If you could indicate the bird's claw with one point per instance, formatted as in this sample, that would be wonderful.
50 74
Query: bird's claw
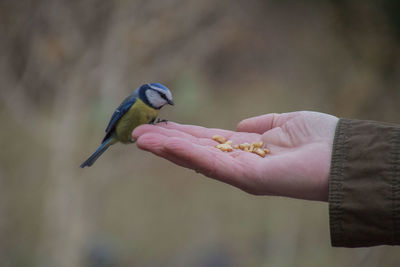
162 120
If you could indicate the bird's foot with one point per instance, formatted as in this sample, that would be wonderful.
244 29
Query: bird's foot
162 120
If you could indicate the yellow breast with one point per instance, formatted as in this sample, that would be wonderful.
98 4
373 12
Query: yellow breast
138 114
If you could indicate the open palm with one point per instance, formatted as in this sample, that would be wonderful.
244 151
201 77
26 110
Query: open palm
298 165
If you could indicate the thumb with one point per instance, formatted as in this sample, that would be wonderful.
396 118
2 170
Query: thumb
263 123
258 124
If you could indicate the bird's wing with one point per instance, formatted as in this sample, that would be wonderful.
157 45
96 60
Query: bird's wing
118 113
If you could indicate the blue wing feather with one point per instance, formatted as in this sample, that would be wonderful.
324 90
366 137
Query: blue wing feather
118 113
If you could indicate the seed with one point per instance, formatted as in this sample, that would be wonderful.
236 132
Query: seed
258 144
224 147
259 152
255 147
244 146
219 138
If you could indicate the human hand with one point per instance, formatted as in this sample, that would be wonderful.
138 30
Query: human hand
298 165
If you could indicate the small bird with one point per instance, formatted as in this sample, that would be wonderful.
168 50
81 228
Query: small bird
140 107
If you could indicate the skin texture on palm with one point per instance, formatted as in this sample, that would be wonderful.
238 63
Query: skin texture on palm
298 166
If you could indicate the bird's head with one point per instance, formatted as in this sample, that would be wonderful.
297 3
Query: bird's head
155 95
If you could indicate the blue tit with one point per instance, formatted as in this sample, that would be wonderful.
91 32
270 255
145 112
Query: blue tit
140 107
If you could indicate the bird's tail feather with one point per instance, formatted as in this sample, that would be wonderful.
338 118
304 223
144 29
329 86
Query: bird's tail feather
103 147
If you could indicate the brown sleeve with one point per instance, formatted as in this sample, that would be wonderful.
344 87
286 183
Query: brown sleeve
364 184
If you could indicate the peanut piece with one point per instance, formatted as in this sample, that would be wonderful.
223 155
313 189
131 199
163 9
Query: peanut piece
259 152
219 138
258 144
244 146
224 147
255 147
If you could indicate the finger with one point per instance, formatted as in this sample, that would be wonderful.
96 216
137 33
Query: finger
235 137
208 133
207 160
258 124
154 143
197 131
147 128
263 123
177 150
236 168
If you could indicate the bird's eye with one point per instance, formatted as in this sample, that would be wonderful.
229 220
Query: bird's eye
164 96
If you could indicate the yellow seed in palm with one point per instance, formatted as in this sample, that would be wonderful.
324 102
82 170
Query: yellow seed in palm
219 138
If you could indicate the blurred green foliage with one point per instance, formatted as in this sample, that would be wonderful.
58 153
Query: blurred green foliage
66 65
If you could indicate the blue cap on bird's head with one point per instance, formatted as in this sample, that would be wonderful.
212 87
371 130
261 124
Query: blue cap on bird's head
156 95
159 86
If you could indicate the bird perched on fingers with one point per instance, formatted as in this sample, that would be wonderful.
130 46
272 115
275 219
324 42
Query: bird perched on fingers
140 107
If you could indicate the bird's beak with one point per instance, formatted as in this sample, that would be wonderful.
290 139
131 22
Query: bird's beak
170 102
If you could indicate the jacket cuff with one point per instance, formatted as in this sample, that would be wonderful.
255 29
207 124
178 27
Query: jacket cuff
364 184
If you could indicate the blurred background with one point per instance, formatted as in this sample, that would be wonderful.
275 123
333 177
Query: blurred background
66 65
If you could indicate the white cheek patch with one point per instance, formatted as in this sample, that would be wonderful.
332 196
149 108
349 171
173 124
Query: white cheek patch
166 92
155 99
